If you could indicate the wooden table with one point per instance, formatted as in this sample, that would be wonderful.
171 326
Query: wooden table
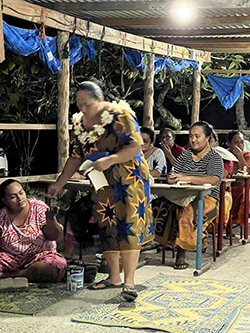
197 190
245 179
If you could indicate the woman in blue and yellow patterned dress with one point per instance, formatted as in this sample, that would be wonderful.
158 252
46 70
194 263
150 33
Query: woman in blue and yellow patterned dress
121 209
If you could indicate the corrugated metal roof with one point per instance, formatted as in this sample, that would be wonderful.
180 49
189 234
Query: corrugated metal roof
212 20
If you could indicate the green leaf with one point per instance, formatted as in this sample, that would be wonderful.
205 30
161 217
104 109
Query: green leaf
178 99
171 83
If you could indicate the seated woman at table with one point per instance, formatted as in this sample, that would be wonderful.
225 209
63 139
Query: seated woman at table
166 141
28 231
235 142
199 165
228 165
154 156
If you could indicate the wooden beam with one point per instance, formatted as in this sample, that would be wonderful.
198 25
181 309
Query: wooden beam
148 119
196 95
2 54
226 71
10 126
215 45
170 22
30 12
63 102
188 32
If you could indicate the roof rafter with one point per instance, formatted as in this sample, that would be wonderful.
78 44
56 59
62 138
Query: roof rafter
166 22
189 32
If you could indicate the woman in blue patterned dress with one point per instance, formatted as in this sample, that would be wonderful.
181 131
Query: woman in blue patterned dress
121 209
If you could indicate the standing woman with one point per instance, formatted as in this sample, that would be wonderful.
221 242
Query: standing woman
198 165
235 142
122 209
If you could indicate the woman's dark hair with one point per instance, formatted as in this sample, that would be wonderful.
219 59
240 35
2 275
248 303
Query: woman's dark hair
149 132
207 128
166 129
232 133
214 136
3 188
93 87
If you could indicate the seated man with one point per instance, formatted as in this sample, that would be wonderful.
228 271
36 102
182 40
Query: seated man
28 231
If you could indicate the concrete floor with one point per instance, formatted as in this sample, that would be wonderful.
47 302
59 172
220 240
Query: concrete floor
232 265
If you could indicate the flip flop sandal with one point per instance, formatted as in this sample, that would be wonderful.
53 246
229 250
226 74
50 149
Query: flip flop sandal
107 285
129 293
182 265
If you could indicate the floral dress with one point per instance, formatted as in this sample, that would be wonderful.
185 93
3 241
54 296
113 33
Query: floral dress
122 209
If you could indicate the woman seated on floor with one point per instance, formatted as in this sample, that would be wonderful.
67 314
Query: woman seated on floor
28 231
235 142
154 156
166 141
198 165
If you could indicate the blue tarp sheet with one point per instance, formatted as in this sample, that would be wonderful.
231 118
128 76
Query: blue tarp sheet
228 89
27 41
136 59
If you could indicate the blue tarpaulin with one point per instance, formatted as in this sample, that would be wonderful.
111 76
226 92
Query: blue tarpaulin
228 89
136 59
27 41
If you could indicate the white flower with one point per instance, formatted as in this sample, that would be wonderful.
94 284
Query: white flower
98 130
76 118
106 117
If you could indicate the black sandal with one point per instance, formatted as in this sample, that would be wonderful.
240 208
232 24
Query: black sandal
129 293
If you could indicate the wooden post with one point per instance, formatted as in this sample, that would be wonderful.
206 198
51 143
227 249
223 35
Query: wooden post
63 102
149 94
196 94
2 55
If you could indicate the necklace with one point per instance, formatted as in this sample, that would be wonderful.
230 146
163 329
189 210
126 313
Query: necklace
107 117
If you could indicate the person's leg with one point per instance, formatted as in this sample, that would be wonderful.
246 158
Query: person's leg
112 259
180 262
37 272
68 250
130 260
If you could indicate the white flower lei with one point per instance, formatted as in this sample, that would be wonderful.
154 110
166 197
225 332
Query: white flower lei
106 118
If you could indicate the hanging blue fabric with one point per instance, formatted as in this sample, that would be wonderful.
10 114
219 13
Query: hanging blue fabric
28 41
135 59
75 50
228 89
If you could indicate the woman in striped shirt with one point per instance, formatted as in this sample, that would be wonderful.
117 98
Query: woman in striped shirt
198 165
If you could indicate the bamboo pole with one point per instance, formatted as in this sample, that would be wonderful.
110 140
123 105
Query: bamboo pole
2 54
149 94
63 102
196 94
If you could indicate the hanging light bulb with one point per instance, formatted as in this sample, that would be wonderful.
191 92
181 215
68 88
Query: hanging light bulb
183 12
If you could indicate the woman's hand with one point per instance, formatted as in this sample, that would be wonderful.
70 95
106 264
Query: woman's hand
51 213
102 164
166 149
236 151
173 179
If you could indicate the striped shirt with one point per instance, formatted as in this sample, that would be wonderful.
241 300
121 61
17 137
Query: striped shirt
210 165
